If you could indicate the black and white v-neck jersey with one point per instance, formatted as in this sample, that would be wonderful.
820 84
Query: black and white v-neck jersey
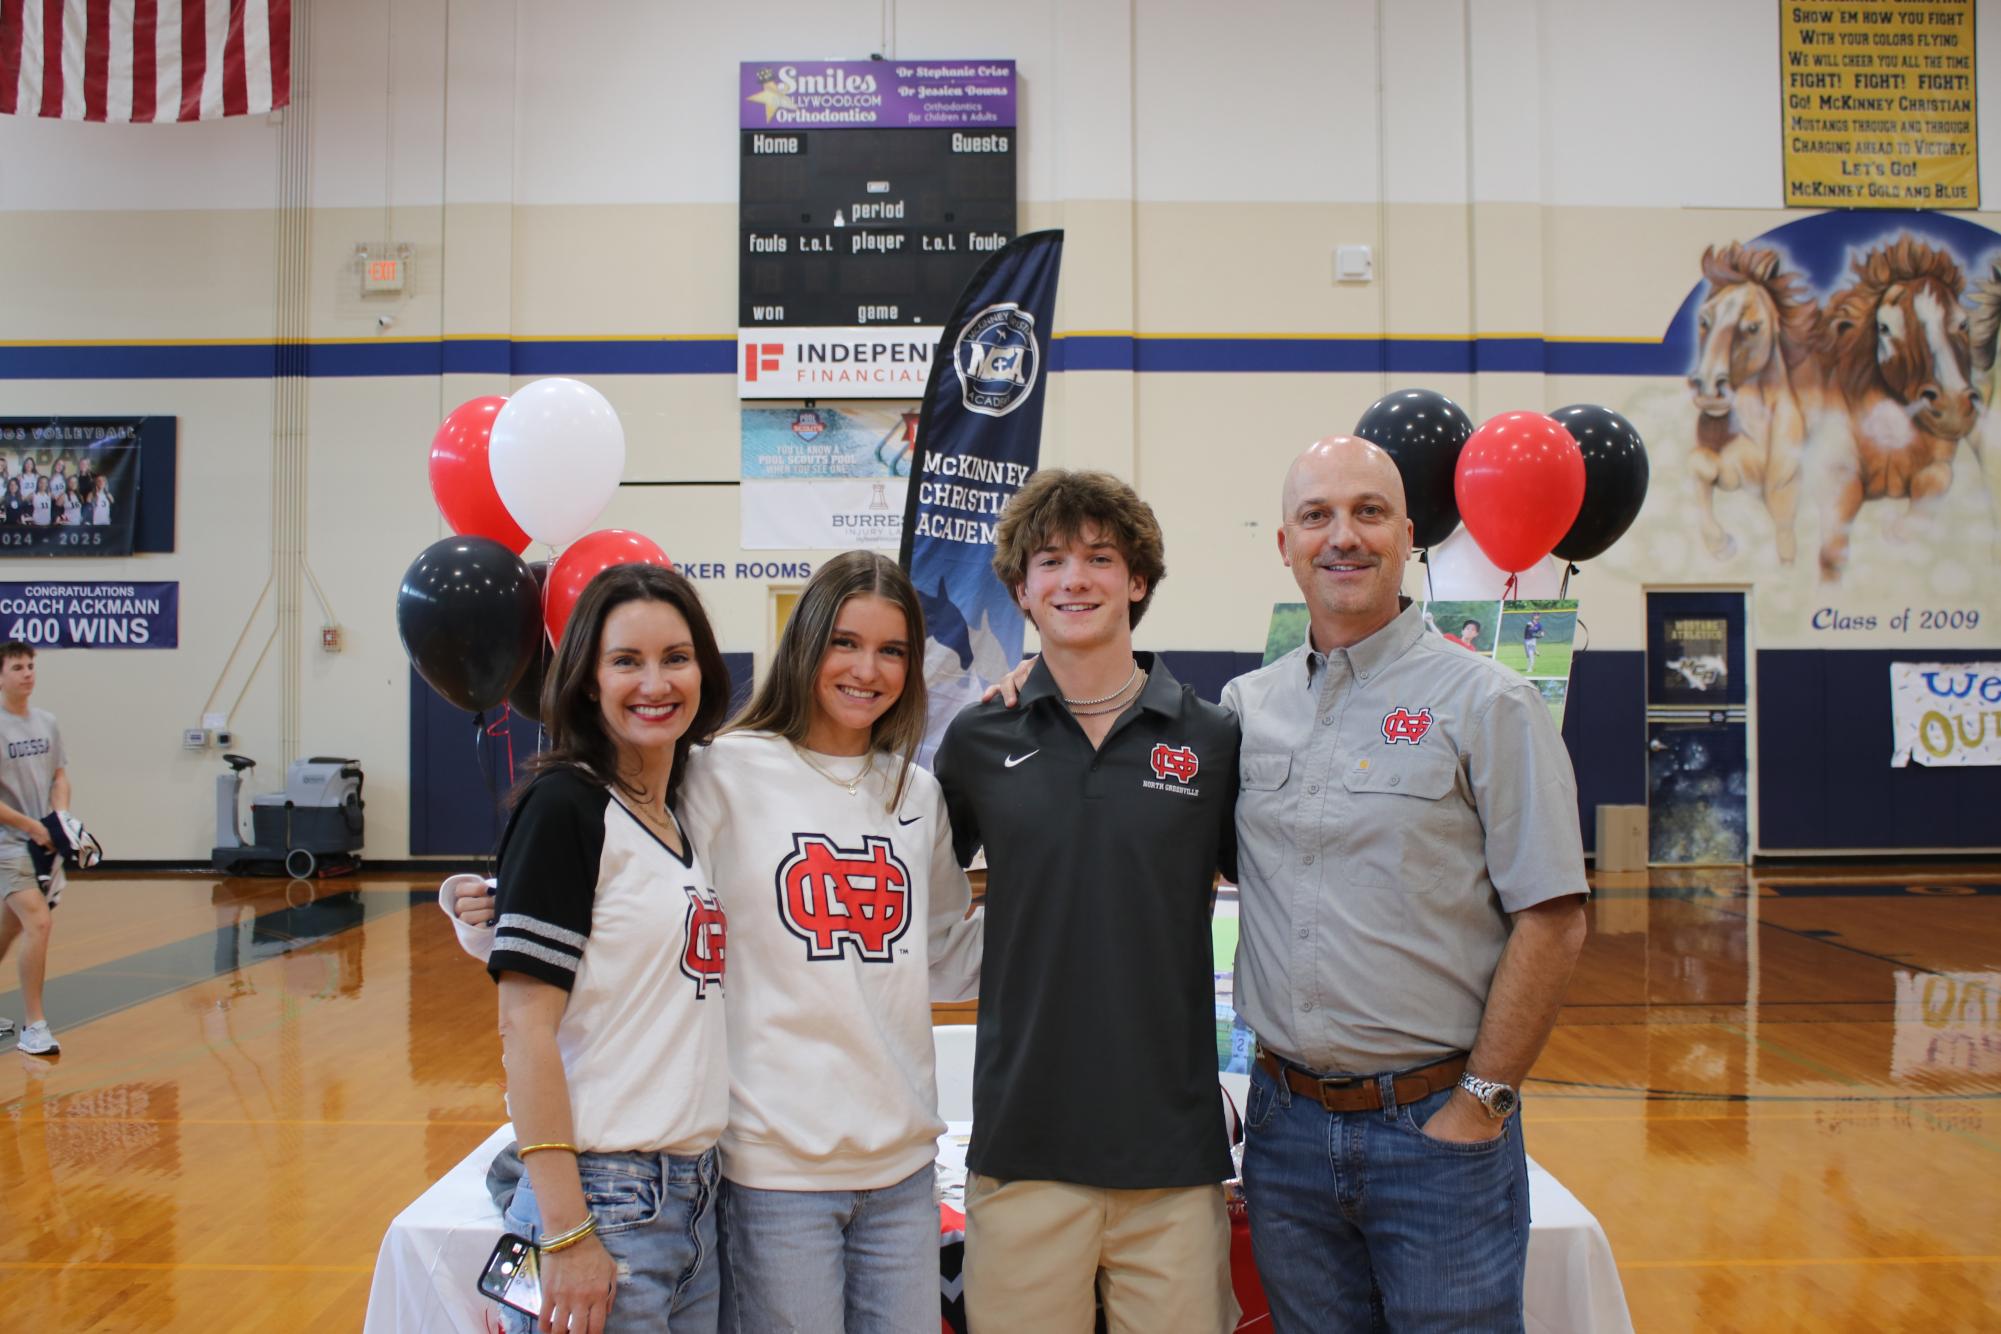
590 900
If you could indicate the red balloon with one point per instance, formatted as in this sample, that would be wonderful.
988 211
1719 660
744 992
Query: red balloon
1520 483
592 554
461 481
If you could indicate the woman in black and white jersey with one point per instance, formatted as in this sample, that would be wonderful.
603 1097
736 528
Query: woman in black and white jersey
609 953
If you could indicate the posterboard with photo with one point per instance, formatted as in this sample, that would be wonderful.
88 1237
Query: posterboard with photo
69 486
1532 637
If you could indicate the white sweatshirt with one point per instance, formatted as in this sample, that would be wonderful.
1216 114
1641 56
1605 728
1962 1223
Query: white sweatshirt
846 920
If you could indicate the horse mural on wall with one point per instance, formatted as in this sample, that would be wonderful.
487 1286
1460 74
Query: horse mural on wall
1876 388
1896 359
1984 329
1754 383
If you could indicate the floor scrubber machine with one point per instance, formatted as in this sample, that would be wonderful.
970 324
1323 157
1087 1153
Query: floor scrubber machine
311 828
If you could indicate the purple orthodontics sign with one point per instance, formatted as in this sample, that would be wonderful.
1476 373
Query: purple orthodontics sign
876 94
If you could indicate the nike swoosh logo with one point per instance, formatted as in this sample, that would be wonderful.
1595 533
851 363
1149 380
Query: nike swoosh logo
1013 760
912 820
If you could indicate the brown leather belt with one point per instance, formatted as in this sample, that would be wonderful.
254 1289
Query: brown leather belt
1361 1093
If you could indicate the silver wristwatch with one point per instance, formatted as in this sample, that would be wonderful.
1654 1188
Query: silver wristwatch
1499 1099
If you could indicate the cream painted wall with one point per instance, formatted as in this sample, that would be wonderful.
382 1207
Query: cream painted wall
1521 166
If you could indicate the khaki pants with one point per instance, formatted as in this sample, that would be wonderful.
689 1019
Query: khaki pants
1037 1252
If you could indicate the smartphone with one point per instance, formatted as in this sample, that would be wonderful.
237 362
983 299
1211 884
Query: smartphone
513 1275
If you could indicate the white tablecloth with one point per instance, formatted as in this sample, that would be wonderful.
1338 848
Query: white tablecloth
426 1273
430 1261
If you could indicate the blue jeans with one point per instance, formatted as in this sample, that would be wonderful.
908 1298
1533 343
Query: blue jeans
656 1215
1359 1220
828 1261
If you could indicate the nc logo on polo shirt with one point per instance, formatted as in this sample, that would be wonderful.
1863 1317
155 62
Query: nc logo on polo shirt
1176 762
1400 724
708 939
997 358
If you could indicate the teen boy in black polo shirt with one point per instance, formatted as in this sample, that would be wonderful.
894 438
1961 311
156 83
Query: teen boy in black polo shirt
1106 805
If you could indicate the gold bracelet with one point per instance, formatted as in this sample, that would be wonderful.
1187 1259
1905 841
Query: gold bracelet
527 1149
550 1245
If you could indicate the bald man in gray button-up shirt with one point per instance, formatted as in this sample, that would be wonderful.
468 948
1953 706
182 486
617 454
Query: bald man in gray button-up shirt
1412 895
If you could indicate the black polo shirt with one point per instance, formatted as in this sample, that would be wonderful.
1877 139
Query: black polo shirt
1096 1061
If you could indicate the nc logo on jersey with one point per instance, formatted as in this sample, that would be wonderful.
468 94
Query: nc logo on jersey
834 898
1400 724
707 936
1176 762
997 358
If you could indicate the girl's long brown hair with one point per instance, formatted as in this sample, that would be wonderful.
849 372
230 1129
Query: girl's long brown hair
784 703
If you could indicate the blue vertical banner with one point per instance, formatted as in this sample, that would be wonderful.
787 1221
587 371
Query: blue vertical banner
979 438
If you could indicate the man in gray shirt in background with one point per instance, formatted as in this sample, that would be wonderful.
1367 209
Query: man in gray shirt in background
33 782
1412 899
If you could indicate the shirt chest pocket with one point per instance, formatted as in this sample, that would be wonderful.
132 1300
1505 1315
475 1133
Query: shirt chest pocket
1403 815
1263 789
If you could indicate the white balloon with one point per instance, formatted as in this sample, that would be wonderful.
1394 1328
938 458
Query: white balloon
556 454
1460 571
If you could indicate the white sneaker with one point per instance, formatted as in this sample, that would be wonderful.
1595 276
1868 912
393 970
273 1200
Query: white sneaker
36 1040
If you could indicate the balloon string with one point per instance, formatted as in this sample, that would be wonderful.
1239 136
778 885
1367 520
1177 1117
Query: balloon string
1424 559
485 775
1563 589
499 728
1512 589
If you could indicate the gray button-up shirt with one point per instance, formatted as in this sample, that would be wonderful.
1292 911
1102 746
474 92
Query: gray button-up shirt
1399 799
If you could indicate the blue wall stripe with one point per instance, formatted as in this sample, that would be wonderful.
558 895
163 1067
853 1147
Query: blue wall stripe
636 356
717 356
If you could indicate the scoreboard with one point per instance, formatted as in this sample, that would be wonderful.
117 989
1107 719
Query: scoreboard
870 193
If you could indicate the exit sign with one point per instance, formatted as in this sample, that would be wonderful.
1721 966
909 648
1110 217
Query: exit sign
382 275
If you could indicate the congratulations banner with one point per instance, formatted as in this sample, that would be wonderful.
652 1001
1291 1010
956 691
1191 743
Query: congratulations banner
92 615
1946 712
978 439
1880 107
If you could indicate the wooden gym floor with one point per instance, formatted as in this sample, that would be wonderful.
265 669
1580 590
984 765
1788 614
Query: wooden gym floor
1780 1093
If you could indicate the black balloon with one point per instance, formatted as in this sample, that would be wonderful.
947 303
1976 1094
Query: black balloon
1615 479
1423 431
526 697
469 616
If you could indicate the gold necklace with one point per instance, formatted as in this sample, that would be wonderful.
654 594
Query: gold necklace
1117 705
661 823
851 784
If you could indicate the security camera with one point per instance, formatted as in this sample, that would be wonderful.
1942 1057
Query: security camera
384 321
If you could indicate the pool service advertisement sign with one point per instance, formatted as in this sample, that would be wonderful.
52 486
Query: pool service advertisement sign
92 615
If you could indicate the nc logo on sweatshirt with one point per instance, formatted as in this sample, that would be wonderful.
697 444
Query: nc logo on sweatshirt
836 898
708 939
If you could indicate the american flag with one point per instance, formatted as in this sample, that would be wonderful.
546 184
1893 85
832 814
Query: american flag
144 60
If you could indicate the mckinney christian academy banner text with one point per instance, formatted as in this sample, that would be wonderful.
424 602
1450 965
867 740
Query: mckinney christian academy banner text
978 440
92 615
